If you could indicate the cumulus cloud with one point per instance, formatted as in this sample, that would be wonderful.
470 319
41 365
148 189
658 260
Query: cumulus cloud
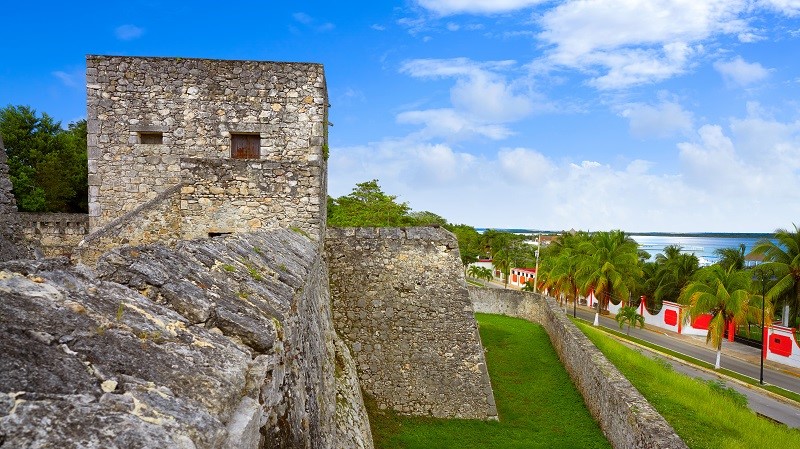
450 7
480 92
735 177
790 8
448 124
739 73
128 32
661 120
635 42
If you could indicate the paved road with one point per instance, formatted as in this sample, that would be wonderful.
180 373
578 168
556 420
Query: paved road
761 403
699 350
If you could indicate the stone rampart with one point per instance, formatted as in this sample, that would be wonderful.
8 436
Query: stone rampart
401 304
145 114
12 245
54 234
215 343
627 419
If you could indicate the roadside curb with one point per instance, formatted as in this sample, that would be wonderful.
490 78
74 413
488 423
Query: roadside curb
756 388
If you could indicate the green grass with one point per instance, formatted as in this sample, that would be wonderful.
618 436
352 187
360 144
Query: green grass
697 362
537 403
704 415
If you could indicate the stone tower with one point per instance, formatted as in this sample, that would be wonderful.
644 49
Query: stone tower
205 147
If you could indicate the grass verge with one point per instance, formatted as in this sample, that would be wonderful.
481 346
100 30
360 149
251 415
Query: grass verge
740 377
704 415
538 405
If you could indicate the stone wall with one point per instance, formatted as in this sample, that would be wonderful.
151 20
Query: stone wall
195 105
216 343
55 234
400 303
224 195
627 419
12 246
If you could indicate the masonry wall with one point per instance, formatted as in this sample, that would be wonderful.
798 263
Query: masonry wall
224 195
12 246
401 305
627 419
196 104
214 343
54 234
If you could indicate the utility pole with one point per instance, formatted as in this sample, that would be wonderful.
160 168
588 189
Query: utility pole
536 274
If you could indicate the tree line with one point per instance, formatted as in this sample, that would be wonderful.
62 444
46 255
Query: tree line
610 266
47 163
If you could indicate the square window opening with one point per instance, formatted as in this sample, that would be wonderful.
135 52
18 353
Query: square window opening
151 138
245 146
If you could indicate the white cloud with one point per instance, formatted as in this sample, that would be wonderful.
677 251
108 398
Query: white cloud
661 120
312 22
790 8
739 73
128 32
449 7
453 26
738 181
450 125
480 93
635 42
69 80
377 27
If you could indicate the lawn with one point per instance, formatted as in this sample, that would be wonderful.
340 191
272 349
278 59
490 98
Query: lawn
704 415
537 403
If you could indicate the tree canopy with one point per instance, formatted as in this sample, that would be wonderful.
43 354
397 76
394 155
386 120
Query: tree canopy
47 163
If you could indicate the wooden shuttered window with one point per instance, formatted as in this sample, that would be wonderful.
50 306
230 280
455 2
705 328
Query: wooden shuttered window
245 146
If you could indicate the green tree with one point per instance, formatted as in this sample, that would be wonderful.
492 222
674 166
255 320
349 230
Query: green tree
368 205
469 243
783 258
47 164
673 271
560 264
610 268
426 218
629 315
731 257
725 295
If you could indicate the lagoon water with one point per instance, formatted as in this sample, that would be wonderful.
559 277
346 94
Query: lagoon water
701 245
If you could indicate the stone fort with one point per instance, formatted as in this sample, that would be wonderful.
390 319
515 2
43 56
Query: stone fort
204 303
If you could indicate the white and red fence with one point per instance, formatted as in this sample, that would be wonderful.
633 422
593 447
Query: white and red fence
782 345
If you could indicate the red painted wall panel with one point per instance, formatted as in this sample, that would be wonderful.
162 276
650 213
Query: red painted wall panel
780 344
670 317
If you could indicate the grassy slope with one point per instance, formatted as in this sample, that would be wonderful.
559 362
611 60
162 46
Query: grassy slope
703 417
538 405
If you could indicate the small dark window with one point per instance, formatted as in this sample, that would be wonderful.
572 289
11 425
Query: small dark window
245 146
218 234
151 138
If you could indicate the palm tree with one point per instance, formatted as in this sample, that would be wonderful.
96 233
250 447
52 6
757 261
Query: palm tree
784 259
611 267
674 271
485 274
628 314
725 295
731 257
502 261
562 264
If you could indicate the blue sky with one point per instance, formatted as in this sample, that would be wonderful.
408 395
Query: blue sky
592 114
